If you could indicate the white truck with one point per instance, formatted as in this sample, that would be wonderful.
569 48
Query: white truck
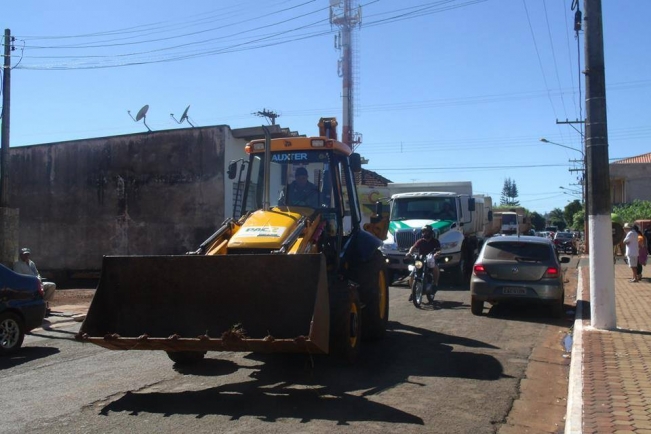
461 233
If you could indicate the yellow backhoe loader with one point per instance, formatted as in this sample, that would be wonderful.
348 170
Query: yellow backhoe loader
292 271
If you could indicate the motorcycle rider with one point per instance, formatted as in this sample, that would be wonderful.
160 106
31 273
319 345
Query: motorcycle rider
426 245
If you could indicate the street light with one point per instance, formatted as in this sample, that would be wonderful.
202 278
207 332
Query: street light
544 140
570 191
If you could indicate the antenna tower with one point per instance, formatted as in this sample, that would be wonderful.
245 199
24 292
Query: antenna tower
347 15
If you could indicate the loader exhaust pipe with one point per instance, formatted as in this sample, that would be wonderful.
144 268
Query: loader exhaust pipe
266 203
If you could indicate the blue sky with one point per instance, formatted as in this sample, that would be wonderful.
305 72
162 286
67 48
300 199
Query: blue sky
458 90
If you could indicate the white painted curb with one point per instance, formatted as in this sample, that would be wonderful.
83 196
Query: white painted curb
574 414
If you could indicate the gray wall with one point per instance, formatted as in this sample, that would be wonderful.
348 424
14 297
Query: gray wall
635 180
151 193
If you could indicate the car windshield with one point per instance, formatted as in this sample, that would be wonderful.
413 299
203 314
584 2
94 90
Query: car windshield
517 251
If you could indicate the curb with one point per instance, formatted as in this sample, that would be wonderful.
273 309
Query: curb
574 414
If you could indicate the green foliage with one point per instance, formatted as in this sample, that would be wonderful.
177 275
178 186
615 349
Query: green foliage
578 220
537 221
509 193
570 210
557 218
637 210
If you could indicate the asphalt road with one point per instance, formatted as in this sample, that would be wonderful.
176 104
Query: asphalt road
439 370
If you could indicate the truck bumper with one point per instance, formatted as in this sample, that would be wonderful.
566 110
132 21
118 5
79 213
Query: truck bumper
449 260
397 262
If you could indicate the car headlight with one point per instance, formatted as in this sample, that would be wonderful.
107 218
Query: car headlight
451 245
389 246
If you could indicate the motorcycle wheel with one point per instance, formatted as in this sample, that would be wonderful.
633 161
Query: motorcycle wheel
431 292
417 293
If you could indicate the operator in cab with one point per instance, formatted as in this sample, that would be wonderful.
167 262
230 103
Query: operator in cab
426 245
300 192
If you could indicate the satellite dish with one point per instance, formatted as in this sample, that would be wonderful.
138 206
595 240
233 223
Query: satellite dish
184 117
142 113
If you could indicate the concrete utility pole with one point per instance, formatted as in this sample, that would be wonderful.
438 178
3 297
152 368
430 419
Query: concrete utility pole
602 273
6 98
8 217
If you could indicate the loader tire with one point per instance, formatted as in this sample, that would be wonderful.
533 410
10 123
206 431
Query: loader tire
345 323
186 357
374 292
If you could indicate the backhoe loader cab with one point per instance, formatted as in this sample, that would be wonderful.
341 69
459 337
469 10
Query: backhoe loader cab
282 275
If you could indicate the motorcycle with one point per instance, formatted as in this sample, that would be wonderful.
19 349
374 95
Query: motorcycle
421 278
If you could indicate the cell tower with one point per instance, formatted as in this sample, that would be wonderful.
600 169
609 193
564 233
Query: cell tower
346 15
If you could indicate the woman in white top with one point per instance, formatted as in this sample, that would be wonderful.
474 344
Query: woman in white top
632 250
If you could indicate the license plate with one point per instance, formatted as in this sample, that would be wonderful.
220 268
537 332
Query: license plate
512 290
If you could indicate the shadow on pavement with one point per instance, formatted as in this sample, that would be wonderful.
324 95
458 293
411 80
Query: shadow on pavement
26 354
304 387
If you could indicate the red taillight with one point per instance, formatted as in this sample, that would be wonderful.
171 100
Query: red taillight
40 289
552 272
478 269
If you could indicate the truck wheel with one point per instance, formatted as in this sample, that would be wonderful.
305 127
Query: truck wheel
186 357
12 333
345 323
374 291
476 306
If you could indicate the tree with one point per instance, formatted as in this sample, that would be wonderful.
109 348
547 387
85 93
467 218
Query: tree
571 209
537 221
637 210
578 221
509 193
557 219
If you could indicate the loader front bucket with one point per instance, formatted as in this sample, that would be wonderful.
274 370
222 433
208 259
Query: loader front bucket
264 303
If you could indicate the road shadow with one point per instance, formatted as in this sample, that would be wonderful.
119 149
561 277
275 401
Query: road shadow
306 388
531 312
25 355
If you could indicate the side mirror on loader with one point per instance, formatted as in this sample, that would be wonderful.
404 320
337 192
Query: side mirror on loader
355 162
232 169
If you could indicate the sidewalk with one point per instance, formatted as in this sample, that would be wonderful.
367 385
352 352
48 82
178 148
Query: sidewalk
65 314
610 373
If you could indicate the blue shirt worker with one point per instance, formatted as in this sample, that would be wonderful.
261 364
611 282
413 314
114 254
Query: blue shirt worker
26 266
301 192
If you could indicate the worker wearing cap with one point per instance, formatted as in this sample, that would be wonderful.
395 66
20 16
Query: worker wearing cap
301 192
26 266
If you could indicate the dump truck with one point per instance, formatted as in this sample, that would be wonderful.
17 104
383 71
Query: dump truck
275 277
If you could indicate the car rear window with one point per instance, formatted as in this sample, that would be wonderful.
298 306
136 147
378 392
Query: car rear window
564 235
517 249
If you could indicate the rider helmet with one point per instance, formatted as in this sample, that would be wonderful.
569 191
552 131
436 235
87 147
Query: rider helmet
426 229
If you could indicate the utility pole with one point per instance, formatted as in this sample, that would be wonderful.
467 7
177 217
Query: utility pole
268 114
6 98
9 218
602 274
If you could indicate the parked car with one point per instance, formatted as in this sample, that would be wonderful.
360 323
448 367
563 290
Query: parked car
517 268
566 242
22 308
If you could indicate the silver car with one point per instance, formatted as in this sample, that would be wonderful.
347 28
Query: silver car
517 268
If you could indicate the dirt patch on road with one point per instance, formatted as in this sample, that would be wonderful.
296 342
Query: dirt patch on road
63 297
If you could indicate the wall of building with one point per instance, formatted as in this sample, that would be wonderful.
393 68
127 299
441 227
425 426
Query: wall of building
152 193
632 182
